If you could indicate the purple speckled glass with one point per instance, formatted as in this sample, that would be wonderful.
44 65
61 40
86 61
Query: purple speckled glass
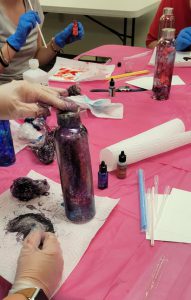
164 65
75 167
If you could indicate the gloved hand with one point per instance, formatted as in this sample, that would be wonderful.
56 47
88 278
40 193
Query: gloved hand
42 267
23 99
27 22
66 37
183 39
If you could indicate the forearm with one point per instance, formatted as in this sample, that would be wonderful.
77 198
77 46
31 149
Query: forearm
7 54
45 55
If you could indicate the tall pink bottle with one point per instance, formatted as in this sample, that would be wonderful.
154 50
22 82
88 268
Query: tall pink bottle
164 64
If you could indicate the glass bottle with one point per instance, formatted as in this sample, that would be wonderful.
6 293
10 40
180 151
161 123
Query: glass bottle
7 152
167 20
164 64
72 149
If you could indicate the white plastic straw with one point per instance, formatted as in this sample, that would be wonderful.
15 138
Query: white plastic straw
152 216
162 205
39 29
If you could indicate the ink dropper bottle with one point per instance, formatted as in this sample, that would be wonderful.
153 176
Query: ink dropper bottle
102 176
112 88
121 166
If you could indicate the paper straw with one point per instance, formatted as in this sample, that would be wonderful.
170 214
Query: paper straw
39 29
152 216
143 214
162 205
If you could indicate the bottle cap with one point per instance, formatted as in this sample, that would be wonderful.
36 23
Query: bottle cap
112 83
168 33
168 10
122 157
103 167
33 63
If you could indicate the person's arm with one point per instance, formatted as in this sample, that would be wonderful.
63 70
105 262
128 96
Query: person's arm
15 41
44 55
40 264
23 99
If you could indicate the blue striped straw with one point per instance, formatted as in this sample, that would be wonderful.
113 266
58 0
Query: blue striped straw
143 214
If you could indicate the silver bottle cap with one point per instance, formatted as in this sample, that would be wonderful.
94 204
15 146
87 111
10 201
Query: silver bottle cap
168 10
168 33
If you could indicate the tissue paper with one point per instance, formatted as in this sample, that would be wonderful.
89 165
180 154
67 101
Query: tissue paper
160 139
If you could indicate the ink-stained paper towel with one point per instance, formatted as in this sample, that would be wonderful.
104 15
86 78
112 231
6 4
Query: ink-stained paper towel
74 238
160 139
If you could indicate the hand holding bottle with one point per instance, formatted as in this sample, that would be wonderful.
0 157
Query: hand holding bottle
27 22
66 36
39 266
24 99
183 40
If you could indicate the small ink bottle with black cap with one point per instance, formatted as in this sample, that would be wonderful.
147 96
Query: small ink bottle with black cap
102 176
121 166
112 88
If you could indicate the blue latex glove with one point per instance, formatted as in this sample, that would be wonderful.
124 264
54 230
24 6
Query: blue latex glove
183 40
66 37
27 22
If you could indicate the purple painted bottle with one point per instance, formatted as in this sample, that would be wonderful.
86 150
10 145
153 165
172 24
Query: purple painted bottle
164 64
167 20
72 149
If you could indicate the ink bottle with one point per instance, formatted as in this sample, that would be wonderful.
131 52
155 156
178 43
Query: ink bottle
73 156
167 20
102 176
164 65
121 166
7 152
112 88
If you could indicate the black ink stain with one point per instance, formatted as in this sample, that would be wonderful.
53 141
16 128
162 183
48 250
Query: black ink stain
27 222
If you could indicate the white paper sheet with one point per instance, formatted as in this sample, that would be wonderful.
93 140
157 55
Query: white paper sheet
160 139
179 61
74 238
146 82
71 70
175 221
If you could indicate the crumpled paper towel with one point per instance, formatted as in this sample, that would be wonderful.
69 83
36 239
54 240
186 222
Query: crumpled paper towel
101 108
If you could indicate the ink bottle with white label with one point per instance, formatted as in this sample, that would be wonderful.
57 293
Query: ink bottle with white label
121 166
102 176
112 88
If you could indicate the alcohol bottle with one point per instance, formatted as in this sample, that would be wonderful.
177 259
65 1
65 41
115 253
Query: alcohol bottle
164 64
121 166
72 149
102 176
35 74
167 20
7 152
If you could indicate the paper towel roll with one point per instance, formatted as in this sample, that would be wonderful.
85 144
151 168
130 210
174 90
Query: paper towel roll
159 139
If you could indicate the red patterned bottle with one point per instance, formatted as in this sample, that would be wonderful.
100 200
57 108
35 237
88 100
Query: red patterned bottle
164 64
167 20
74 162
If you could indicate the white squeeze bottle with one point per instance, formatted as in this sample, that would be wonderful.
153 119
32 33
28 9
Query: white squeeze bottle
34 74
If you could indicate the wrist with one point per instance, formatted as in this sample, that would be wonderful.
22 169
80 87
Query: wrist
54 47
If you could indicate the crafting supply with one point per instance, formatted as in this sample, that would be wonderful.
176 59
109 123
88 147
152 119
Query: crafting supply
75 28
102 176
112 88
152 216
120 89
161 208
121 166
143 212
38 26
156 184
128 74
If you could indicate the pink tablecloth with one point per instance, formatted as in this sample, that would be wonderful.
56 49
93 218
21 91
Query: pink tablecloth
119 263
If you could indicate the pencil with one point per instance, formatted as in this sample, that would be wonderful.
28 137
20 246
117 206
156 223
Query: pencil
42 37
128 74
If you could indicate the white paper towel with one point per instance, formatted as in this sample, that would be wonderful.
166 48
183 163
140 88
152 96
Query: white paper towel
159 139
